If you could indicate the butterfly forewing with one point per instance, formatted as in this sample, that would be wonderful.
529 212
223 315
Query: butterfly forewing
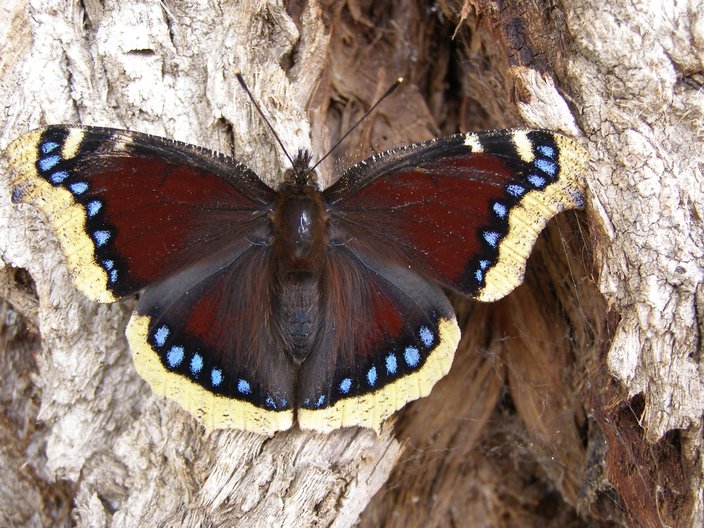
130 208
463 210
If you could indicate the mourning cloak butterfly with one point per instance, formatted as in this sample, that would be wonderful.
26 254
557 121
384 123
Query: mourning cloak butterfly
258 305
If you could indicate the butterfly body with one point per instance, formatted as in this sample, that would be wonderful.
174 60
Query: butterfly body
299 239
258 306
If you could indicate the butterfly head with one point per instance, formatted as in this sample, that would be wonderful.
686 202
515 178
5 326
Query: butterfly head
300 174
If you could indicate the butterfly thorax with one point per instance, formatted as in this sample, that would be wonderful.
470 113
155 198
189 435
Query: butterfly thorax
299 227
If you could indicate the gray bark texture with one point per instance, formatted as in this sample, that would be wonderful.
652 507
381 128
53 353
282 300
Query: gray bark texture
575 401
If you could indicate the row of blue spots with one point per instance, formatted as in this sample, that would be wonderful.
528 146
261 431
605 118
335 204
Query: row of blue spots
278 403
547 166
411 356
479 273
492 238
318 403
109 266
176 354
244 388
48 161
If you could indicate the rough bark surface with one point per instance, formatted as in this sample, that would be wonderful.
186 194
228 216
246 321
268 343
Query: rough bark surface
575 401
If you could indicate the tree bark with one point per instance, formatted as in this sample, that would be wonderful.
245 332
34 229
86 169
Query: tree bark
577 400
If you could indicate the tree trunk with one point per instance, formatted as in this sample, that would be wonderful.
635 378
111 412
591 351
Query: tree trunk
577 400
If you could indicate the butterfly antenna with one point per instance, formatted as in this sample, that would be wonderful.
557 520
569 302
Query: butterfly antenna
254 102
388 92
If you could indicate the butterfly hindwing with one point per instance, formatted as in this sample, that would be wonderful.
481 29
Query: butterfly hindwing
130 208
388 337
463 210
202 337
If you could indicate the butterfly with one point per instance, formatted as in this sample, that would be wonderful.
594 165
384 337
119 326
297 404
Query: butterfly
258 307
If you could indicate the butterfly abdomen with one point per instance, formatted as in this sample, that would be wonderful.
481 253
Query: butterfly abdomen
297 313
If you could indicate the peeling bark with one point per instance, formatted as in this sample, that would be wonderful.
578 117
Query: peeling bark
577 400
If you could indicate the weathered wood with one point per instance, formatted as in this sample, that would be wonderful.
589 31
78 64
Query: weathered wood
576 400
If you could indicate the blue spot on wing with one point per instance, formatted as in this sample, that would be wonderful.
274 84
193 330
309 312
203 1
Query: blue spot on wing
371 376
161 334
216 377
546 151
93 207
320 401
499 209
345 385
391 364
426 336
101 237
196 363
113 276
58 177
48 163
491 237
479 275
48 146
243 387
516 190
537 181
546 166
174 356
78 187
412 356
